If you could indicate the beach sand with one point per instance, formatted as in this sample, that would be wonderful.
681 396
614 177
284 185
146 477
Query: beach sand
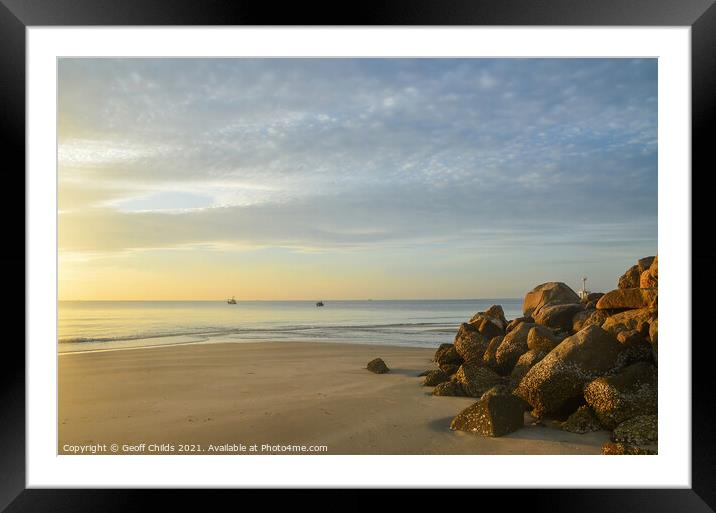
287 393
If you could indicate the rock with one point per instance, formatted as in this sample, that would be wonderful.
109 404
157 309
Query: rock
582 421
449 368
632 298
470 344
476 379
441 350
631 392
557 316
630 279
654 267
594 296
645 263
447 355
488 328
555 384
493 415
525 363
449 389
377 366
591 317
654 338
435 377
551 293
512 347
630 320
647 281
497 390
497 312
542 338
425 373
612 448
489 357
636 348
642 429
516 322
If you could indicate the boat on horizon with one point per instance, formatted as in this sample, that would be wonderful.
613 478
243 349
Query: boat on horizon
320 303
231 301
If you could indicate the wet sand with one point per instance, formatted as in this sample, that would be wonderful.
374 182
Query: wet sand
225 398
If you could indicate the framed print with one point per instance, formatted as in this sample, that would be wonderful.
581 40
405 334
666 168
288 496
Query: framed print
271 250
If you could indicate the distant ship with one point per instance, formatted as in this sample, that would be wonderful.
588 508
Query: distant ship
320 303
231 301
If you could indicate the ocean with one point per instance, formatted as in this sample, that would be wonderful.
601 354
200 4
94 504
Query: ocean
110 325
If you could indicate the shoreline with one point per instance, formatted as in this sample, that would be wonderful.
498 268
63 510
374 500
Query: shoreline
276 393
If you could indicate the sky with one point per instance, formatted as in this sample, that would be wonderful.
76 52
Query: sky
352 178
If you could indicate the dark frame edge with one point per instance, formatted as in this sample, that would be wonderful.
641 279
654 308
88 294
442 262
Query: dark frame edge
702 497
12 126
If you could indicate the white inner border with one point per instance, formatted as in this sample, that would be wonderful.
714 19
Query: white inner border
671 468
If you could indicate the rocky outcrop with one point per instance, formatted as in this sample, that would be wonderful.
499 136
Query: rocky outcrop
493 415
631 298
542 338
642 429
630 279
377 366
449 389
476 379
555 384
449 368
582 421
525 363
551 293
435 377
516 322
447 355
622 396
470 344
558 317
512 347
589 317
489 358
636 348
638 320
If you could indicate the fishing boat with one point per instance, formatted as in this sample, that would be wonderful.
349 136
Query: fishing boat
320 303
231 301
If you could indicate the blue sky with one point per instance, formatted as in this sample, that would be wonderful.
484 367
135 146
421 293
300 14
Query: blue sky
461 178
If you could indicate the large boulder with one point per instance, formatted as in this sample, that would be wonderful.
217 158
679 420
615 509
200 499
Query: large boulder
555 384
590 317
435 377
492 415
470 344
622 396
649 278
642 429
525 363
632 298
448 389
448 356
489 358
495 315
516 322
512 347
630 278
638 320
645 263
591 300
489 327
475 379
377 366
440 350
449 368
496 311
543 339
636 348
582 421
557 316
551 293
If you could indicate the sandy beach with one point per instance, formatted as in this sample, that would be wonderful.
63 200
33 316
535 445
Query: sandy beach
228 395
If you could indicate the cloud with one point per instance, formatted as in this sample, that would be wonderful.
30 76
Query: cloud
356 153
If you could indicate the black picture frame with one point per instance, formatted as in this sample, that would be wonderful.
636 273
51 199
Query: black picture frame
17 15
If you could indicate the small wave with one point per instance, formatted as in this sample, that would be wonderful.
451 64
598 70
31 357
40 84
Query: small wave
393 328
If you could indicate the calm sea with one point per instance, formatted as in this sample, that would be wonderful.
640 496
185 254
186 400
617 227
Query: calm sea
100 325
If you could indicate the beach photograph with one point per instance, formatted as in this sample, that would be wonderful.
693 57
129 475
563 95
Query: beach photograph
357 256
